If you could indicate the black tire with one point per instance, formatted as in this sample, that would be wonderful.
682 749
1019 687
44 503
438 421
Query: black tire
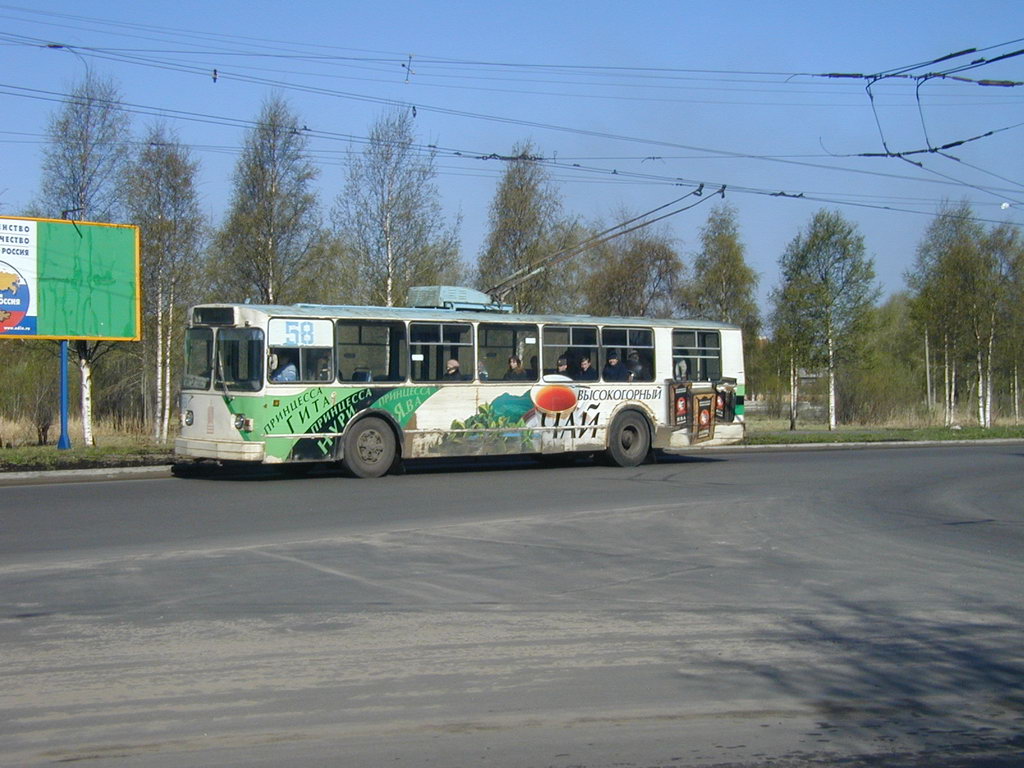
369 448
629 440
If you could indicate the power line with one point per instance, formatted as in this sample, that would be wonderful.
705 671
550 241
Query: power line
575 168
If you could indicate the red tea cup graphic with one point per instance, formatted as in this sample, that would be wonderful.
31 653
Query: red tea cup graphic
554 399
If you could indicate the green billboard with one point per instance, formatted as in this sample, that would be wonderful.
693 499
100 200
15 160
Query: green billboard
69 279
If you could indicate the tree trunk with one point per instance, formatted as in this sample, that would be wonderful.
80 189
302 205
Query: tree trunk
989 392
929 390
389 255
1016 394
984 342
947 386
85 369
165 382
980 374
158 378
954 395
794 383
832 422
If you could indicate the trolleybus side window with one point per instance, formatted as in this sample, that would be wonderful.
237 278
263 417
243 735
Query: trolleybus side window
442 351
239 359
371 350
198 358
697 355
571 342
306 344
498 342
635 346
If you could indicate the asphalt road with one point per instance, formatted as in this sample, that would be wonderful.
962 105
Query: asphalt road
759 608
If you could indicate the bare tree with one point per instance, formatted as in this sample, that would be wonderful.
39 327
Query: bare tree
389 216
639 274
164 202
83 177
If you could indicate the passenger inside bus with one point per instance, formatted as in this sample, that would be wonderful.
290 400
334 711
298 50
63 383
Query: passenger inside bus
587 371
636 369
452 371
515 371
322 366
680 370
614 370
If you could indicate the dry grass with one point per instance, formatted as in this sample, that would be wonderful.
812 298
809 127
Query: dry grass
21 433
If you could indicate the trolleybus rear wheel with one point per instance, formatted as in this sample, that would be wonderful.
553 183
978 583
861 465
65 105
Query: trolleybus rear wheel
629 440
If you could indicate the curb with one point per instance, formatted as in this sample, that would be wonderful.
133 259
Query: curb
84 475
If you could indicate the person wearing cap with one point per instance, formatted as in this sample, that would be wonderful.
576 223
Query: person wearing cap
614 370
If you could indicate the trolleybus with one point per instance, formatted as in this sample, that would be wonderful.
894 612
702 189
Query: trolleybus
451 375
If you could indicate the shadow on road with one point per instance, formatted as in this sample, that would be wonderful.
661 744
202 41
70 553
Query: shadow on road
282 472
918 689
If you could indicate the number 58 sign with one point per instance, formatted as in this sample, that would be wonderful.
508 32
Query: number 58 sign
300 333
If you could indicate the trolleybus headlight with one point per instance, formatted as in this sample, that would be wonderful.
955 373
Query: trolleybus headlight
187 417
243 424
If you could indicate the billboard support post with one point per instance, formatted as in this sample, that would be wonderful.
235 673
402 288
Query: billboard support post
64 443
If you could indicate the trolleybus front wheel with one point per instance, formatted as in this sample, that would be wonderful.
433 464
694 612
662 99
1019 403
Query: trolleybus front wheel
369 448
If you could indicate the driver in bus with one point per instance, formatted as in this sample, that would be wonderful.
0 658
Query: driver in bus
286 369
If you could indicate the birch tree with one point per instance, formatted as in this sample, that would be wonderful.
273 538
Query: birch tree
1005 249
723 286
1012 316
828 291
943 308
272 238
524 228
83 177
164 203
792 323
389 215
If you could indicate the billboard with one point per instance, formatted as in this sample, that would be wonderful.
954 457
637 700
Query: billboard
69 280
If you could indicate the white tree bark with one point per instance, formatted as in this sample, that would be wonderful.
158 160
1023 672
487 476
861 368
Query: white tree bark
794 383
85 369
832 423
158 378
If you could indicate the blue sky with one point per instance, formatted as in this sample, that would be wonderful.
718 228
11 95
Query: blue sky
632 104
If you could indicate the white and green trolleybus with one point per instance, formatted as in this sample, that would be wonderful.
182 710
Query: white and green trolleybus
453 374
